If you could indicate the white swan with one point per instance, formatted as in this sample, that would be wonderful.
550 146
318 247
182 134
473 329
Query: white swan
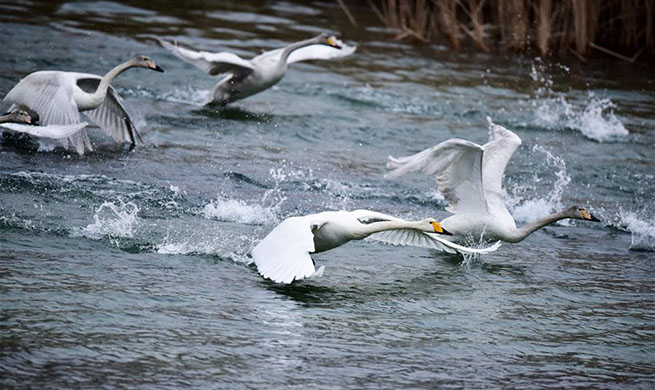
284 254
244 78
20 121
57 98
469 177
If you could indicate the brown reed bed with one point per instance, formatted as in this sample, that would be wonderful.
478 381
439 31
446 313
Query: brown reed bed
621 28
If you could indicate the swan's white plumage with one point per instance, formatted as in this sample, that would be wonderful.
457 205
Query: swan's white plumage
284 254
456 164
51 131
309 53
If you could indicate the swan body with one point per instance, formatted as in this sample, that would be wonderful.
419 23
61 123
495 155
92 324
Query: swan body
243 78
469 176
284 254
21 122
57 98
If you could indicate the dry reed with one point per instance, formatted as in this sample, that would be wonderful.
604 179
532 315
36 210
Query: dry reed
576 26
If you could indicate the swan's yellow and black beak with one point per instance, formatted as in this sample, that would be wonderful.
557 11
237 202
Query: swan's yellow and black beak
439 229
586 215
333 41
151 65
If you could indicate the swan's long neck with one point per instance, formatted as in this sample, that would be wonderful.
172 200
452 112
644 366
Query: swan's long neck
7 118
376 227
100 93
525 230
295 46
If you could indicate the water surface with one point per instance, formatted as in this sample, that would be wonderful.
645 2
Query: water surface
130 268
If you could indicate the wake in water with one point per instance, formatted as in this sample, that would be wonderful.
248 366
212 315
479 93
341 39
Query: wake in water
641 229
595 118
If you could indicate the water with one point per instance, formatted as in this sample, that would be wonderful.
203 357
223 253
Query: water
130 269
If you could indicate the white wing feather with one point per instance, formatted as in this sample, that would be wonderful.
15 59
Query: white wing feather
212 63
49 94
283 255
51 131
410 237
111 115
457 167
497 153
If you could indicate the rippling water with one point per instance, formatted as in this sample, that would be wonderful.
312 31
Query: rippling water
130 269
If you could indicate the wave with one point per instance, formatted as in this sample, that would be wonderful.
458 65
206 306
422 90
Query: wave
236 210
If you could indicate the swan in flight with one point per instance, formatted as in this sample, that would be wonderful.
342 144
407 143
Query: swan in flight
57 98
20 121
284 254
469 177
243 78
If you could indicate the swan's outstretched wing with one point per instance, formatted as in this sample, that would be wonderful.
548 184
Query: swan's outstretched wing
311 52
283 255
457 166
212 63
51 131
497 153
411 237
110 115
50 95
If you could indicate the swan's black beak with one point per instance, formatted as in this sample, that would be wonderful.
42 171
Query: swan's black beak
158 68
594 219
439 229
587 216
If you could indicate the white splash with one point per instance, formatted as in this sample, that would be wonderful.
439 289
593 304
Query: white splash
113 220
236 210
232 248
528 210
643 231
594 118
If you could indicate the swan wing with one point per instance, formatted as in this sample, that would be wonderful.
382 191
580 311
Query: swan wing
457 166
111 115
497 153
283 255
50 95
51 131
411 237
212 63
307 53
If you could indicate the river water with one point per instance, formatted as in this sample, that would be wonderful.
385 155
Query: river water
130 269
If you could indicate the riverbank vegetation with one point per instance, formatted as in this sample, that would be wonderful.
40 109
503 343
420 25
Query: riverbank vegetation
620 28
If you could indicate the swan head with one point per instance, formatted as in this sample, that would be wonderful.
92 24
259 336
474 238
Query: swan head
434 226
579 212
146 62
329 40
21 116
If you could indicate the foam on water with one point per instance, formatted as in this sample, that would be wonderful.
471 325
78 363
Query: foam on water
594 117
236 250
112 220
521 201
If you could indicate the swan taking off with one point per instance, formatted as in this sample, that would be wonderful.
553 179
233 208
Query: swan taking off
243 78
284 254
470 177
20 121
57 98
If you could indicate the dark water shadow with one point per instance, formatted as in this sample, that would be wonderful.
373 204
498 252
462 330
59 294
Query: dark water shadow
216 111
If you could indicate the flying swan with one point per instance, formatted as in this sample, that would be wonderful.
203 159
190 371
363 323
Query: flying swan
284 254
20 121
57 98
469 177
243 78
